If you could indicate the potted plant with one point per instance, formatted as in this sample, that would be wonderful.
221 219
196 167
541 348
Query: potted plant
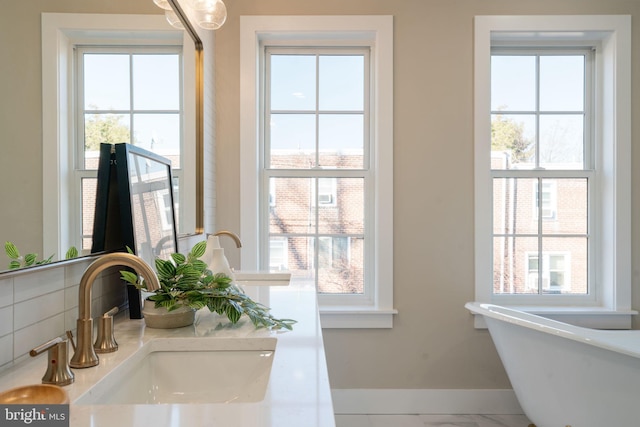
187 285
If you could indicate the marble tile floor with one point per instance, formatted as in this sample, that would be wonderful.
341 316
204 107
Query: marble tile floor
432 421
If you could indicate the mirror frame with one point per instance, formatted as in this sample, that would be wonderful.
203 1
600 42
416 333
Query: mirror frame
189 28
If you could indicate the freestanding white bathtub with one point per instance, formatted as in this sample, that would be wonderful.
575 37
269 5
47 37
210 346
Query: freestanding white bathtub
565 375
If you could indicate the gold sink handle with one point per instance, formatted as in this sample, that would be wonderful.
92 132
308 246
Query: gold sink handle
106 342
58 371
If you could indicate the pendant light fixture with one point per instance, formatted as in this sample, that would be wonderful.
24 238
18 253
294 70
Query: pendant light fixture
206 14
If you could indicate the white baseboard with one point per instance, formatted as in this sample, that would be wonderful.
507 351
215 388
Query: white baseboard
423 401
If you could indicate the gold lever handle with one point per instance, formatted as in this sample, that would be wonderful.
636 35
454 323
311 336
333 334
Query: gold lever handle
105 341
46 346
58 371
111 312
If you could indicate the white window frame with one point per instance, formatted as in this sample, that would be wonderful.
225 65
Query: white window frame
611 266
60 33
374 31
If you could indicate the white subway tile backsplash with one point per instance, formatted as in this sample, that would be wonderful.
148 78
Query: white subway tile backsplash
70 319
6 321
37 309
6 292
36 334
71 297
96 289
73 272
36 306
6 349
31 285
112 299
96 306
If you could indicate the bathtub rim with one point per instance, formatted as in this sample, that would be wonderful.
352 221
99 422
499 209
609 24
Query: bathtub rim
605 339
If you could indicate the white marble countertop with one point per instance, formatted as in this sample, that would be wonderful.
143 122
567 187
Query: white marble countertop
298 392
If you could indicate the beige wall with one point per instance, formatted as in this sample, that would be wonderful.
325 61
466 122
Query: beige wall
433 343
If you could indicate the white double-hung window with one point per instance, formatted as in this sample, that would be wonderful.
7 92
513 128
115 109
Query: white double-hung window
317 159
316 154
552 178
541 166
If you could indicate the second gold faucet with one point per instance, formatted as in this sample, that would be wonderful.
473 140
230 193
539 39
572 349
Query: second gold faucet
85 355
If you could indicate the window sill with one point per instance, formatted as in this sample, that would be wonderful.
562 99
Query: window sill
355 317
587 317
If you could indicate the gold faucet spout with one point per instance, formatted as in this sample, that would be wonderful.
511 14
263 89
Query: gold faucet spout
231 234
85 356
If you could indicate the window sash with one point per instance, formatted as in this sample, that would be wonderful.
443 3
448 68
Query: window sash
587 171
588 52
80 171
317 52
329 175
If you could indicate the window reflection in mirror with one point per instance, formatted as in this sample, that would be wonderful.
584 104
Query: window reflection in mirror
130 94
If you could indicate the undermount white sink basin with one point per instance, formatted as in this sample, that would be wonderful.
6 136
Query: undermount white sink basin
262 278
189 370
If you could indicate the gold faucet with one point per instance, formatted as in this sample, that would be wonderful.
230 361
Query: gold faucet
231 234
85 355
